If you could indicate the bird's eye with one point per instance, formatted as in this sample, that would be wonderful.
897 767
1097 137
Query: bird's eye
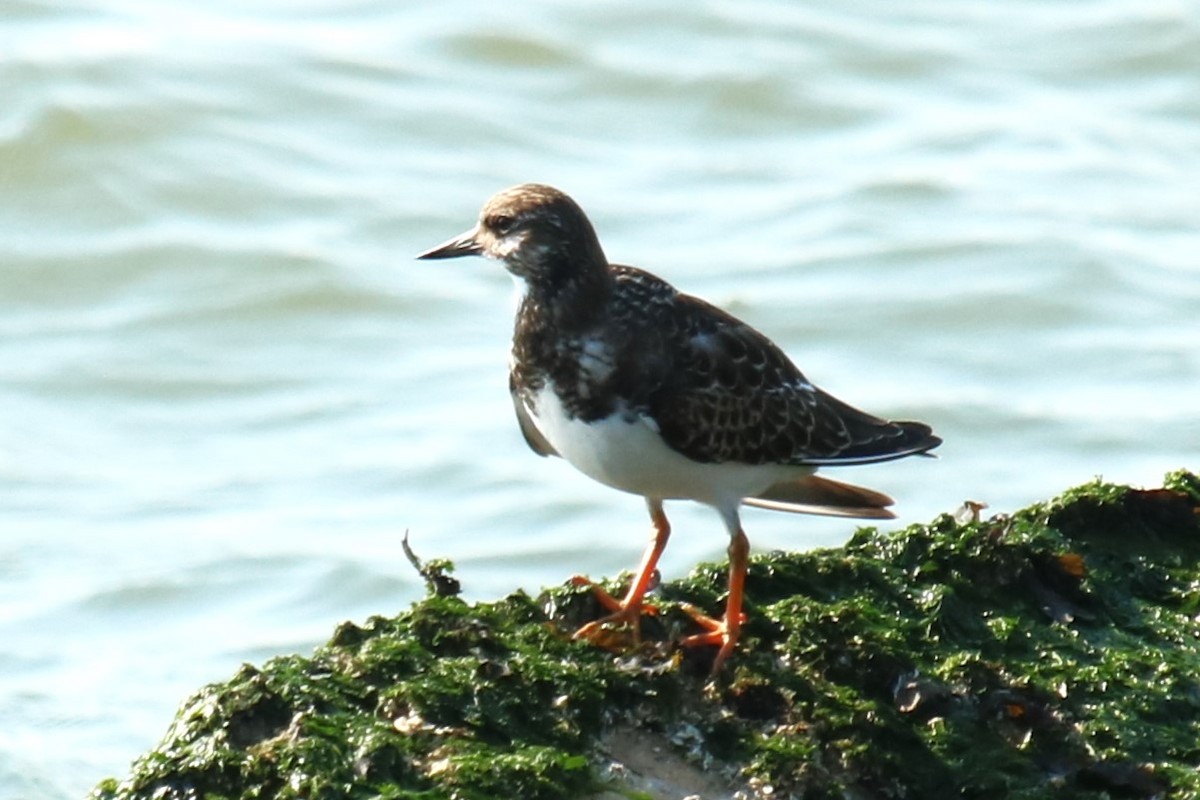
501 223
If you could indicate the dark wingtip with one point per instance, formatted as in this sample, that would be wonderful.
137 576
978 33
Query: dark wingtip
917 439
922 437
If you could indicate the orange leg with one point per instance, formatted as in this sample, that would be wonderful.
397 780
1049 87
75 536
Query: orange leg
725 632
629 610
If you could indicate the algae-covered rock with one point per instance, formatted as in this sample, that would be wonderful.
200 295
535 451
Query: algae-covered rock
1051 653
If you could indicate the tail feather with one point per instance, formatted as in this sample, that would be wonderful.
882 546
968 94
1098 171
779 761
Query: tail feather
814 495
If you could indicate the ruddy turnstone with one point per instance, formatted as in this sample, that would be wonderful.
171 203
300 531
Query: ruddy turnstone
660 394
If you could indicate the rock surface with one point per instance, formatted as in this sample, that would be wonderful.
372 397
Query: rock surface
1053 652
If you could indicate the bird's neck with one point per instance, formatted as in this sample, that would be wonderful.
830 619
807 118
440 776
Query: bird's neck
564 302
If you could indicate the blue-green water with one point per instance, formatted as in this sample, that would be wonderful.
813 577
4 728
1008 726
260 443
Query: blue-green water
226 389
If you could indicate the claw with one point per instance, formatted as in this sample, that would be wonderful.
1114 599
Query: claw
622 614
718 633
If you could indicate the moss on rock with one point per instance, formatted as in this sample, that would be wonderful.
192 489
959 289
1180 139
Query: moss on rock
1055 651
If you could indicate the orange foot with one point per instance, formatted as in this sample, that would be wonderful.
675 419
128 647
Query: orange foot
722 633
627 613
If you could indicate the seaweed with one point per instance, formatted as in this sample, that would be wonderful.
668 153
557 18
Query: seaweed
1053 651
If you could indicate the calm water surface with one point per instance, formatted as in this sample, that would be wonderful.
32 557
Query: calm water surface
227 389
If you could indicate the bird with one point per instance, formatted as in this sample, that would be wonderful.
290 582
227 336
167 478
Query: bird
661 394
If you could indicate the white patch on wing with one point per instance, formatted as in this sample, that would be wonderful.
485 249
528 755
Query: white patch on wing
625 451
595 364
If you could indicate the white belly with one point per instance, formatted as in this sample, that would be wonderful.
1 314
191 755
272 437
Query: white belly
625 452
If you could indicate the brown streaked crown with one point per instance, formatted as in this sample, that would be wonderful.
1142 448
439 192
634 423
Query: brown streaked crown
540 234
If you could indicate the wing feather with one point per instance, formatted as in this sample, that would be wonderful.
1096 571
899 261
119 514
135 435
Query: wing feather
533 437
818 495
727 393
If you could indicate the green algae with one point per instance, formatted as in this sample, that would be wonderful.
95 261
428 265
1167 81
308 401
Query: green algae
1052 652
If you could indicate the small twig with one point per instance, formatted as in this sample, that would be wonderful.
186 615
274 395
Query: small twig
436 573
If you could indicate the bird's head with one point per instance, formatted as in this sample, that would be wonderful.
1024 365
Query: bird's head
538 233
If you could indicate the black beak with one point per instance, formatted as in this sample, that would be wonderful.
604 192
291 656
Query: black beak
462 245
